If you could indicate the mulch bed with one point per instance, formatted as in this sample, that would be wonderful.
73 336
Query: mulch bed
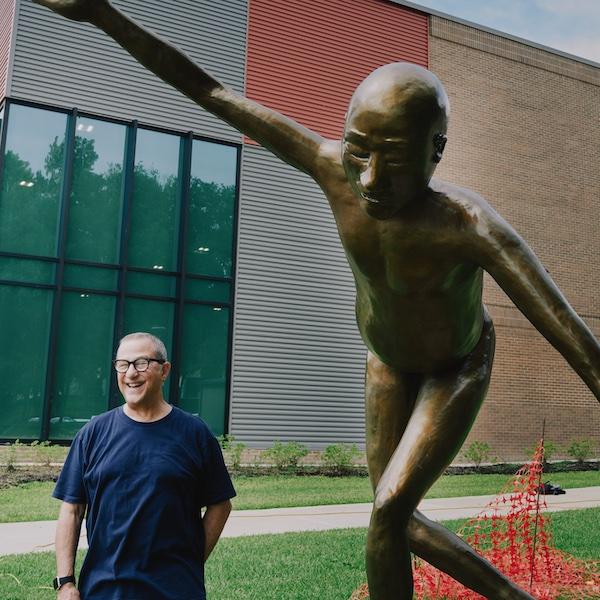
25 473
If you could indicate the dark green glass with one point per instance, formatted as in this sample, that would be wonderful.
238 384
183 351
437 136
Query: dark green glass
95 212
151 316
155 208
83 362
25 334
208 291
90 278
151 284
204 364
26 270
212 206
32 180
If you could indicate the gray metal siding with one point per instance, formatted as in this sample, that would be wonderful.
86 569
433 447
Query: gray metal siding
7 13
298 366
64 63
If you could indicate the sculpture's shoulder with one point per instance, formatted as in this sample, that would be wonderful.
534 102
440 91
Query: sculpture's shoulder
468 209
329 161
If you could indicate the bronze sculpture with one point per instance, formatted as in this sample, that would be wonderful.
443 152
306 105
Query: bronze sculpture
417 248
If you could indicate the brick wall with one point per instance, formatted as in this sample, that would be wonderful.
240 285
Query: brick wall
524 133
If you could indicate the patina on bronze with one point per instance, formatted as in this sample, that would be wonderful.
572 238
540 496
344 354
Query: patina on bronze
418 248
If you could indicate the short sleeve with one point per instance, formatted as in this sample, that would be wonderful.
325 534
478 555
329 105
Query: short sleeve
217 485
70 487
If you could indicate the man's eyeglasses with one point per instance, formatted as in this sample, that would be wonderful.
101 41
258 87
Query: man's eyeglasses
139 364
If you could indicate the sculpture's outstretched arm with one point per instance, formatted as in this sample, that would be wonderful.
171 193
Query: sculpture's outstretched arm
514 266
289 140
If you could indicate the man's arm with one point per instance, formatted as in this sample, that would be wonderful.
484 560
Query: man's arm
514 266
66 541
289 140
214 520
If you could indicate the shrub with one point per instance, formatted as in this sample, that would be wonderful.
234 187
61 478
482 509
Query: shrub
43 452
478 452
339 457
233 450
11 459
581 449
285 456
550 449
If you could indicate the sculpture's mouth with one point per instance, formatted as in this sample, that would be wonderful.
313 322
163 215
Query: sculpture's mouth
379 199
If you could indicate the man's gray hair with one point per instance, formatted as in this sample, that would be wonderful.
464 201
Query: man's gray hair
159 347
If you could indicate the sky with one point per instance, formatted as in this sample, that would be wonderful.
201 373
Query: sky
571 26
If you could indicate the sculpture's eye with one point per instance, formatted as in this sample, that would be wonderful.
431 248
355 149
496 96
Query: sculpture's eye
356 151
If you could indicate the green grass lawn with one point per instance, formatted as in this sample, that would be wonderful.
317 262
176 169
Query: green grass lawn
33 501
325 565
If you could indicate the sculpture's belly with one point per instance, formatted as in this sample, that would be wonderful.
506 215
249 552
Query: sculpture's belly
420 334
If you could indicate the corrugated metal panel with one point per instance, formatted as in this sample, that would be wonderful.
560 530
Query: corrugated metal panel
298 365
73 64
306 58
7 13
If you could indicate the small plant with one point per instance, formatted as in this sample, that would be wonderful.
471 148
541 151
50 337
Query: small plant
581 449
550 449
233 450
339 457
478 452
285 456
43 452
12 455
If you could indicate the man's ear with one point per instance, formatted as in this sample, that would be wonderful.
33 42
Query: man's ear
439 143
166 369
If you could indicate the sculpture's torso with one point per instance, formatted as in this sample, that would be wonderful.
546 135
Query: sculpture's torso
419 292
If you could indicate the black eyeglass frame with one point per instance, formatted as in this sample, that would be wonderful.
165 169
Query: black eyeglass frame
160 361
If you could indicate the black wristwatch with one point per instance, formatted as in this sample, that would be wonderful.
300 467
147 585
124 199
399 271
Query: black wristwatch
60 581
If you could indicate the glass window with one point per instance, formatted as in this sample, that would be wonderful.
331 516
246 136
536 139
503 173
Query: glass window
211 212
155 210
26 270
26 314
83 362
32 180
209 291
203 369
94 230
90 278
151 284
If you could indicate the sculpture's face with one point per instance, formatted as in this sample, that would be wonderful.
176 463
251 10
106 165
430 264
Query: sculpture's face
388 147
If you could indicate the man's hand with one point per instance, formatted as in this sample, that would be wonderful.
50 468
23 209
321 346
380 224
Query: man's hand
77 10
68 592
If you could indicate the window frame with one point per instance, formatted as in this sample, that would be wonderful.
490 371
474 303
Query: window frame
122 267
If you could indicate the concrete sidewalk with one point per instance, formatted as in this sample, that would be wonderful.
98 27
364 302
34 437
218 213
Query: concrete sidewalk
18 538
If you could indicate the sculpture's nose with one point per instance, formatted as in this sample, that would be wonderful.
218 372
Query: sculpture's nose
371 176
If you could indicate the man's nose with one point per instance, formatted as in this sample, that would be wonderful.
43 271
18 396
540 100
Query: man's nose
131 371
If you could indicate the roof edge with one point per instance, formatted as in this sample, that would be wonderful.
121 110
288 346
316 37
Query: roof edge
514 38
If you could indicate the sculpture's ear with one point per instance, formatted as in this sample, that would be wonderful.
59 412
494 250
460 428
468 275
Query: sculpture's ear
439 143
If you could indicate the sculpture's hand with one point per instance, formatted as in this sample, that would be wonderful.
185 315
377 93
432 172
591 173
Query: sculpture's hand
77 10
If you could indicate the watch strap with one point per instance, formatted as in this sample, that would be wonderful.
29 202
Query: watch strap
60 581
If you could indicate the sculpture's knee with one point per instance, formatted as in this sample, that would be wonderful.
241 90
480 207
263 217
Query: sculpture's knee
393 504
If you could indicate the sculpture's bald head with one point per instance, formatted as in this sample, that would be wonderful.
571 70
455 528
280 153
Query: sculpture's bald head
394 137
403 90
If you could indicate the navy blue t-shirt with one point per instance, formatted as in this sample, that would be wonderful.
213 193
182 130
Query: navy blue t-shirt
144 485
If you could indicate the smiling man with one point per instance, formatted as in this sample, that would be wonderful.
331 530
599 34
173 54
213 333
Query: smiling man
143 471
417 248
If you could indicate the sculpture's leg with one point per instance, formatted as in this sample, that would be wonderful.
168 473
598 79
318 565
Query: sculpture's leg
390 399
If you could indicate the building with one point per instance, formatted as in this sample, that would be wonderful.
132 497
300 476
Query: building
126 207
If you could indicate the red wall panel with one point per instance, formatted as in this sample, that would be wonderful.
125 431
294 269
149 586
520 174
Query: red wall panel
306 57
